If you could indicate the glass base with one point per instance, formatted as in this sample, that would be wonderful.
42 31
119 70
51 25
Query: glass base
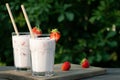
42 74
22 69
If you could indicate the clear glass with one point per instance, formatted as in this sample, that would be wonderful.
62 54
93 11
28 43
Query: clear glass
21 51
42 55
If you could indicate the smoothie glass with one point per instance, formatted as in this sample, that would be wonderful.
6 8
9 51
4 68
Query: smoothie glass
42 55
21 51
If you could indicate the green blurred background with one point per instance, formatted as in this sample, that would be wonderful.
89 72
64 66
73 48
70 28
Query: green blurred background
89 28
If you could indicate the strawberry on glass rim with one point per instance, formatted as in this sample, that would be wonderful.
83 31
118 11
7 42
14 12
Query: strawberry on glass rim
55 34
36 31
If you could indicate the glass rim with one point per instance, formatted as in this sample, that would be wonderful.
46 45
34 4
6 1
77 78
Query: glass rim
42 35
35 35
21 33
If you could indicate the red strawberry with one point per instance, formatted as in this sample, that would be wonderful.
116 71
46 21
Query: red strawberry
85 63
55 34
36 31
66 66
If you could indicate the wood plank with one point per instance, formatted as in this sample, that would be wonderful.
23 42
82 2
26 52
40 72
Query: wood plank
76 72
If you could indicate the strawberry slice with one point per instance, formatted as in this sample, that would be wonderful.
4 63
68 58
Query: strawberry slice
36 31
55 34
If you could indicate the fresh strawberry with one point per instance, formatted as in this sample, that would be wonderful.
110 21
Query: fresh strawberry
36 31
85 63
66 66
55 34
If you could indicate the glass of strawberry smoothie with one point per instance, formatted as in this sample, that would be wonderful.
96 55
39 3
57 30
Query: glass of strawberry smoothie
21 51
42 55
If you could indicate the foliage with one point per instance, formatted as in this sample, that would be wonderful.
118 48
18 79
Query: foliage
89 28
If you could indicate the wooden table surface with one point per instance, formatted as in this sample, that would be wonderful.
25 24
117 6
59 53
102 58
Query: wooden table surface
111 74
75 73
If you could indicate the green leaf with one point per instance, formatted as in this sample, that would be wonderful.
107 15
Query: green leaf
105 56
61 18
112 43
70 16
91 59
101 43
111 34
98 57
92 19
66 6
102 3
114 56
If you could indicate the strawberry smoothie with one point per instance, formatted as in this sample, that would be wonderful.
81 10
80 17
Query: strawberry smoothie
21 51
42 53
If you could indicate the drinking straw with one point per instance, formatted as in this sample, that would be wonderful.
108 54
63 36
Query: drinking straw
27 20
12 19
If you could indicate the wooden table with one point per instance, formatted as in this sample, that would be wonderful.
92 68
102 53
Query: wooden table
111 74
75 73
